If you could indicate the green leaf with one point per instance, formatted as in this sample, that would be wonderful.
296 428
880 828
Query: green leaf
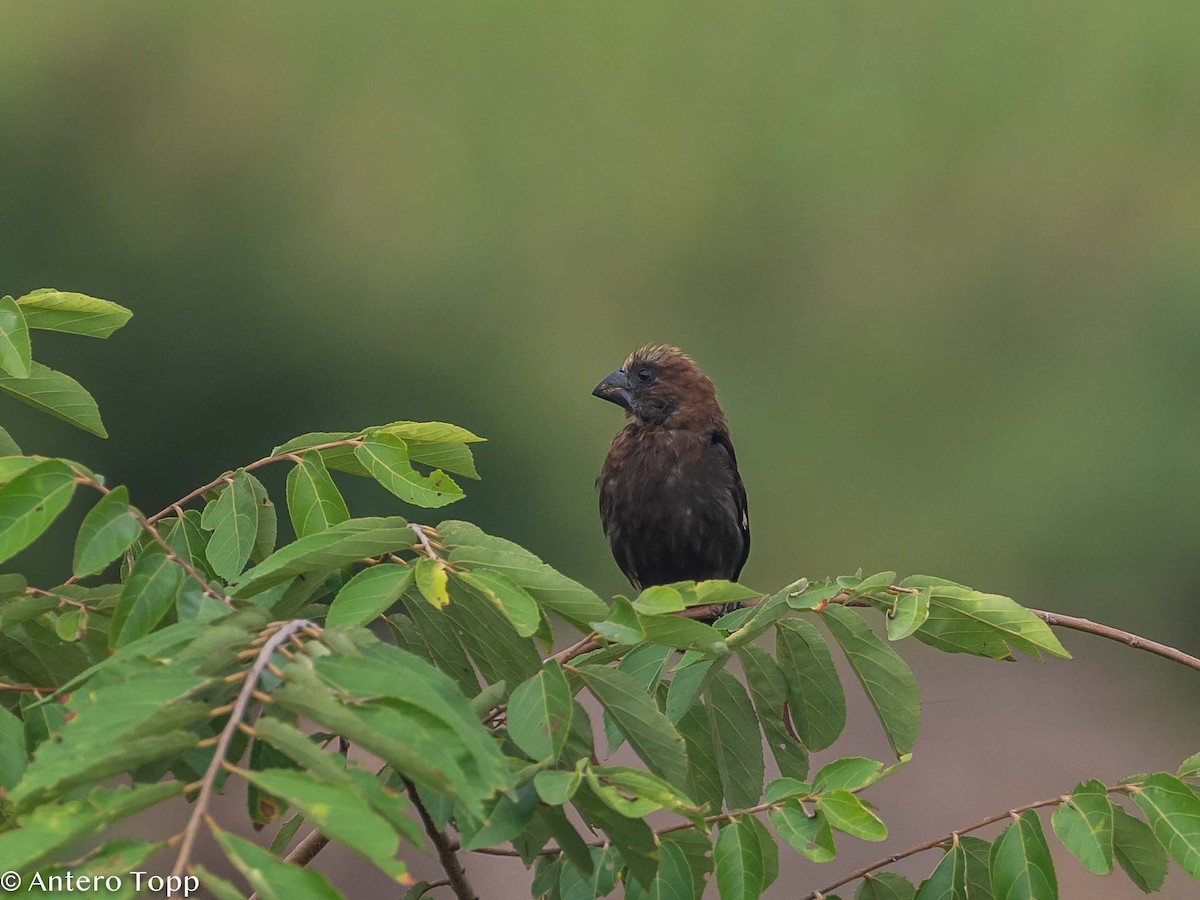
108 530
649 790
504 820
850 774
632 837
658 600
14 340
736 740
386 458
979 873
1084 824
338 545
449 456
266 529
31 502
1139 853
12 749
67 624
1020 862
1190 767
949 879
233 520
815 697
964 620
1172 810
435 432
847 813
885 886
269 876
768 690
497 650
673 881
339 813
52 826
539 713
556 788
512 600
313 500
809 835
431 578
57 394
646 664
908 614
738 862
887 680
471 548
649 732
8 447
146 596
54 310
370 593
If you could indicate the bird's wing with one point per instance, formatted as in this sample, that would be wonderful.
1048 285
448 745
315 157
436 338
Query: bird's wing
720 437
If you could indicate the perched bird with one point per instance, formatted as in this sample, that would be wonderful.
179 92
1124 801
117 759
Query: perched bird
671 500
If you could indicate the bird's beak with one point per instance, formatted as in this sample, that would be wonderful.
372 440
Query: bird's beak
615 389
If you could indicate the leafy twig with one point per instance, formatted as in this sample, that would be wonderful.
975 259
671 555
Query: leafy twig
237 711
257 464
936 842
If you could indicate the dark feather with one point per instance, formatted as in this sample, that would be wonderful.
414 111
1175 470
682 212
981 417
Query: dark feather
672 503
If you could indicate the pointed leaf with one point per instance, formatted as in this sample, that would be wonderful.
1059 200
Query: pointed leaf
1173 811
768 690
1021 865
369 593
14 340
887 680
386 458
949 879
513 601
31 502
847 813
233 520
885 886
269 876
738 862
809 835
72 313
649 732
815 697
146 596
108 530
736 740
1084 823
539 713
338 812
57 394
1139 853
313 500
338 545
908 614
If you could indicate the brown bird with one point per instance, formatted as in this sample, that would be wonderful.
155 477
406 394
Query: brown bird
671 500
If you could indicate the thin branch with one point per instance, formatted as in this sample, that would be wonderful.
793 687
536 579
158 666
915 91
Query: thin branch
307 850
937 842
25 689
257 464
1116 634
236 713
455 872
148 526
423 539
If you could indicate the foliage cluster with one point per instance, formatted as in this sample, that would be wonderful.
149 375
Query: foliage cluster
193 649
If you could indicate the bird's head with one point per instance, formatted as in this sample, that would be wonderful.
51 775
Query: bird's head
662 385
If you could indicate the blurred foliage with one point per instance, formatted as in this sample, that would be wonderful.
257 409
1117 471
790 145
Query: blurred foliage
940 258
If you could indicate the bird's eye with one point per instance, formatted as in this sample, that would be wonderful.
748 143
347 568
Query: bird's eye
645 374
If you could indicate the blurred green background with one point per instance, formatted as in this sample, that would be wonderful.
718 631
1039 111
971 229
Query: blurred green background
941 259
